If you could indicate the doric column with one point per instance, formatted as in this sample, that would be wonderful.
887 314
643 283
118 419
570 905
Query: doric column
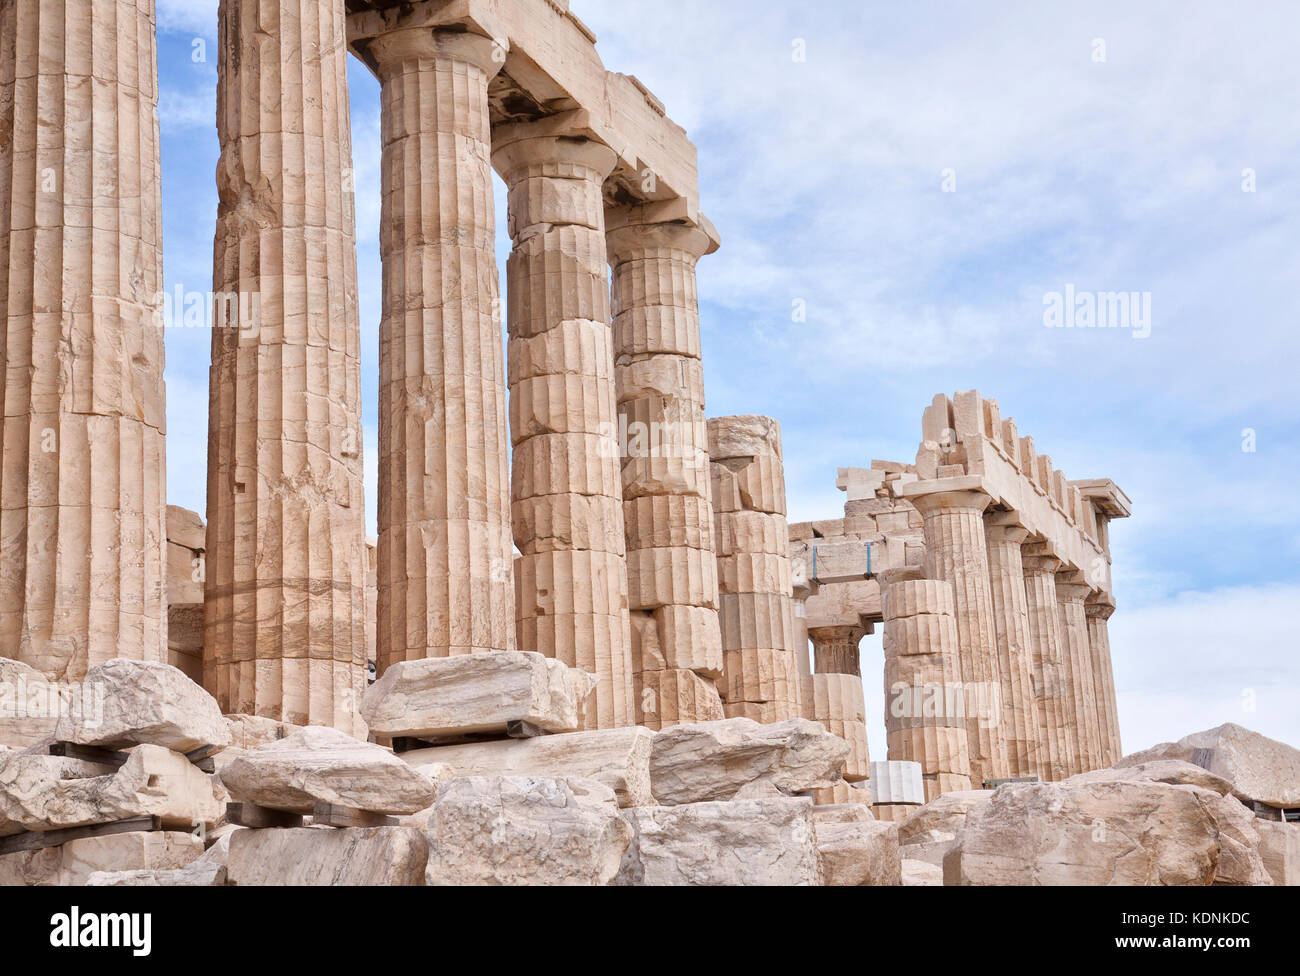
285 596
566 496
1078 655
956 551
1099 611
760 670
1015 659
1053 705
835 649
925 714
83 477
834 696
668 517
445 560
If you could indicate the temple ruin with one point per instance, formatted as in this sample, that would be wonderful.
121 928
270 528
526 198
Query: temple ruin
561 525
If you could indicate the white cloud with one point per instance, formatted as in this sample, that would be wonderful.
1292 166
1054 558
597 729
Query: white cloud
188 16
1203 658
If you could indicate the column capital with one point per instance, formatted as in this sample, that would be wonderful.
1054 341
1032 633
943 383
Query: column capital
1039 563
1068 591
567 139
1000 533
946 502
389 51
1100 607
632 240
462 17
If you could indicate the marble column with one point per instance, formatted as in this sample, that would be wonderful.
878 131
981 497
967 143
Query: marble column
444 554
1099 611
83 477
284 604
1015 658
834 696
755 581
956 550
659 381
1053 705
566 495
1078 651
925 716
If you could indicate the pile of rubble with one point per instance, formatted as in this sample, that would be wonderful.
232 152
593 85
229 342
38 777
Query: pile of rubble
478 773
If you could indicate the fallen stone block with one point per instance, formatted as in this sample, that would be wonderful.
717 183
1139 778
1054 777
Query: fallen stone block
145 702
368 856
1259 768
475 694
859 853
1239 860
197 874
735 842
1279 849
523 830
54 793
619 758
931 830
714 760
834 813
1113 833
921 874
322 765
73 863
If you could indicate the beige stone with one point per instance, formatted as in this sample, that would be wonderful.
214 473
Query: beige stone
82 481
29 704
196 874
619 758
737 842
858 854
713 760
145 702
675 697
513 830
284 632
319 856
1279 849
323 765
40 792
1259 768
475 694
1116 833
558 274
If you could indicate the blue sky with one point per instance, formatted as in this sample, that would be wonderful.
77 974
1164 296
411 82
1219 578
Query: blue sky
826 178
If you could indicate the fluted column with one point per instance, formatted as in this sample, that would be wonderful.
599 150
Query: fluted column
956 551
925 714
1103 676
1078 653
284 604
1015 659
755 581
566 496
659 378
834 696
445 560
83 477
1053 704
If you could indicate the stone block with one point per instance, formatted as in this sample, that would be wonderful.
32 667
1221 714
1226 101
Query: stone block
437 698
320 856
514 830
737 842
859 853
